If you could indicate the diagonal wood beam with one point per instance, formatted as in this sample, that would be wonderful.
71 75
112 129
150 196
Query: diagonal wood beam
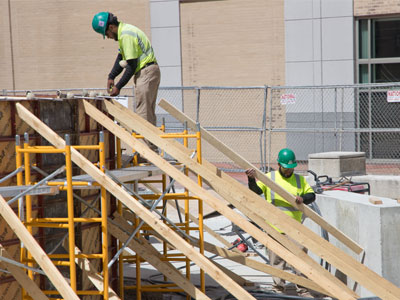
262 267
24 280
191 217
130 202
90 272
254 206
299 260
152 256
243 163
37 252
360 273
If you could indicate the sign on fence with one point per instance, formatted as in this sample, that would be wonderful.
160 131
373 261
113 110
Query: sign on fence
288 99
393 96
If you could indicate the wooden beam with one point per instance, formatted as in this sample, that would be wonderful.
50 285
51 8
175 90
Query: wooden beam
262 267
24 280
300 260
354 269
243 163
90 272
253 206
37 252
192 218
151 255
130 202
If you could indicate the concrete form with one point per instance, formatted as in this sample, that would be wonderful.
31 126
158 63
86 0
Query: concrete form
337 163
376 227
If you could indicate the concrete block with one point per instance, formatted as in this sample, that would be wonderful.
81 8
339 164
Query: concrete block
374 227
337 163
382 185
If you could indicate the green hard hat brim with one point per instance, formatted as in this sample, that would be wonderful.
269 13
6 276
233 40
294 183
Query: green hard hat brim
289 166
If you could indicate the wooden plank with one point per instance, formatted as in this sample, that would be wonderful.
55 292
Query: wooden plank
12 191
262 267
300 261
37 252
192 218
123 175
151 255
375 200
23 279
357 271
130 202
246 199
243 163
90 271
129 216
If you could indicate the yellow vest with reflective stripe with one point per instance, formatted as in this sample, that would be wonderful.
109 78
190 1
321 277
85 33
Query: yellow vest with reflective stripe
295 185
134 44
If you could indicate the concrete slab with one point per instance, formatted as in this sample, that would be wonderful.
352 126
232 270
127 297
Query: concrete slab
373 227
337 163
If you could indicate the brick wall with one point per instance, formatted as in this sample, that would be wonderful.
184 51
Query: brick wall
376 7
233 42
54 45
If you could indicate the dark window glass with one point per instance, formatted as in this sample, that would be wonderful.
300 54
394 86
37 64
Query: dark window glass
385 73
385 38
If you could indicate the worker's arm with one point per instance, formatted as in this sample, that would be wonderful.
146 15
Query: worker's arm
254 187
251 179
129 72
115 71
308 198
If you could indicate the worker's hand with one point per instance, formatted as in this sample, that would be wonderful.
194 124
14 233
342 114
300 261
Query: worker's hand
299 199
114 91
110 84
251 173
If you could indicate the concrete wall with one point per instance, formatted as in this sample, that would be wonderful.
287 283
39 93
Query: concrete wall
373 227
382 185
319 39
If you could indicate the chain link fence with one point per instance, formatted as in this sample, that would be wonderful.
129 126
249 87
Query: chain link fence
257 122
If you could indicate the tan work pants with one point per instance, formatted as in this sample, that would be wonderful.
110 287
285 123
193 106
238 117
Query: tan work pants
146 82
277 262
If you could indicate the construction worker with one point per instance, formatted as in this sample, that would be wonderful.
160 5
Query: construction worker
294 184
136 55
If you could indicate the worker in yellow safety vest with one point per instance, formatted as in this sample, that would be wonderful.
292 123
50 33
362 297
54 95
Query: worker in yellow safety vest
137 57
294 184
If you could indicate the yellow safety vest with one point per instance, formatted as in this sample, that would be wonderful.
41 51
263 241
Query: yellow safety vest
134 44
295 185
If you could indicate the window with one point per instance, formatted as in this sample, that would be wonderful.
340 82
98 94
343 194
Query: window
378 61
378 50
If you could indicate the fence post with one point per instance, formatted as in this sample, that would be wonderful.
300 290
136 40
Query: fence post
264 132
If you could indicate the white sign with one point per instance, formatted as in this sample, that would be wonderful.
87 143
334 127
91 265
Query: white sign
122 100
393 96
288 99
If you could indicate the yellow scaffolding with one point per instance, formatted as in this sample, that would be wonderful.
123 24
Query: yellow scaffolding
69 222
184 226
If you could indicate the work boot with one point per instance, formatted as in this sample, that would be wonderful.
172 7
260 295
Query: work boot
304 293
290 289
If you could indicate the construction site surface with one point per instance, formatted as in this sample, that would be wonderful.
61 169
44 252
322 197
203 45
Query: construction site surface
82 221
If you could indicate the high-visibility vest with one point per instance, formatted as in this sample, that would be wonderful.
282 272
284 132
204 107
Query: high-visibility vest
295 185
134 44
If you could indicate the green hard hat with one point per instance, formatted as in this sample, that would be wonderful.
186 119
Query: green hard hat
287 159
99 22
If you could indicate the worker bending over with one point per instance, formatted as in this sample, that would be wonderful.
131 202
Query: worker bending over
294 184
136 55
